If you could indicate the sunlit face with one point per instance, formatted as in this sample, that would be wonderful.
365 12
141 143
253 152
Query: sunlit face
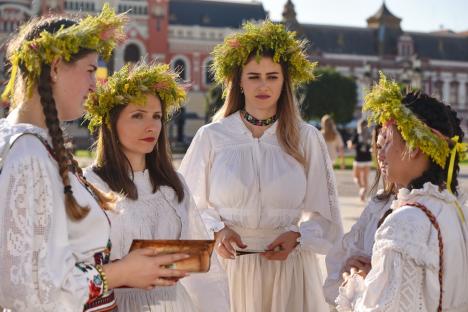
71 84
394 158
262 83
380 144
138 127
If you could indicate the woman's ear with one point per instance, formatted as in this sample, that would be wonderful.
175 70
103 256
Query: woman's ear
415 153
54 69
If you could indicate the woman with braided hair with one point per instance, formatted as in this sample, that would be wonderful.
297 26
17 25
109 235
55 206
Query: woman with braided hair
420 255
54 237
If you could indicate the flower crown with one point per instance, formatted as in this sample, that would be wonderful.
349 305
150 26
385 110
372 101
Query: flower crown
384 104
100 33
131 84
259 38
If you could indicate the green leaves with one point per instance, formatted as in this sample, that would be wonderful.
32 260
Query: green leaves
258 38
384 104
131 84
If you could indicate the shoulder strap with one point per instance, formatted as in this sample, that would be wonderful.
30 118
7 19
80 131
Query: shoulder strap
434 222
12 140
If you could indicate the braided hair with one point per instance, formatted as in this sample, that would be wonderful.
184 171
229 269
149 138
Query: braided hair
64 157
444 119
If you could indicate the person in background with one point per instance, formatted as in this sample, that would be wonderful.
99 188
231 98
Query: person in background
333 140
361 142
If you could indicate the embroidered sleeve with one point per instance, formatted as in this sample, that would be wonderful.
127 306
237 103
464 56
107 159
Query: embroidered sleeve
393 285
195 168
37 266
94 279
320 224
400 257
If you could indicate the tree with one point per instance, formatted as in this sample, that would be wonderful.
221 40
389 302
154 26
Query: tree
331 93
213 101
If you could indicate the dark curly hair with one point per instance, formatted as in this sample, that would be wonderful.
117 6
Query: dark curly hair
444 119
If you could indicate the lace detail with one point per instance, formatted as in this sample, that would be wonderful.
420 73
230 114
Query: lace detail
411 292
39 246
348 294
331 183
408 231
26 235
428 190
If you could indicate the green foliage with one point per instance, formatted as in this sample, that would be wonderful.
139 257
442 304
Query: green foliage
331 93
131 84
213 101
258 38
383 103
100 33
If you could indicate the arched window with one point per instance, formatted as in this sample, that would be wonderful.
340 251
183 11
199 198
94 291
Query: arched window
131 53
453 99
209 78
181 68
438 89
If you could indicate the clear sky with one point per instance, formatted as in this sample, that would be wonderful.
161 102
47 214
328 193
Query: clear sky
416 15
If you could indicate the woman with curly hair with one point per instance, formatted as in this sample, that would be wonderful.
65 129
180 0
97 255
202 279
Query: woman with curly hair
420 254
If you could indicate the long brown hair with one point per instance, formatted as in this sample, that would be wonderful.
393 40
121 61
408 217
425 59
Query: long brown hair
64 157
115 169
289 118
328 128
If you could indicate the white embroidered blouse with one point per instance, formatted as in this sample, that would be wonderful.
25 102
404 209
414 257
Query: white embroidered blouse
40 246
249 182
405 259
357 242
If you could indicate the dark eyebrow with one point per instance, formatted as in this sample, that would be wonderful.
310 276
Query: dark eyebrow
145 111
270 73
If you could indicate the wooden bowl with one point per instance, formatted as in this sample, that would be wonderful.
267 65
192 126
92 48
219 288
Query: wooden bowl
199 250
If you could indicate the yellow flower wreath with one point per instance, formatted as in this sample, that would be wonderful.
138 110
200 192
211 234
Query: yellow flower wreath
100 33
131 84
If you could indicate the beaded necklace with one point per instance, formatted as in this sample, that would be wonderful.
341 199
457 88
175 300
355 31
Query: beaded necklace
258 122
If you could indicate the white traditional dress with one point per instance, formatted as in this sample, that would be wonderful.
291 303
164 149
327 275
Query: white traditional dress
46 259
254 187
159 215
357 242
405 259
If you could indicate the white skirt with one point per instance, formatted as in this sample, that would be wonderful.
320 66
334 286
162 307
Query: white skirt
260 285
160 299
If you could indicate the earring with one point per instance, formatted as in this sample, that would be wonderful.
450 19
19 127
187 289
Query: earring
242 90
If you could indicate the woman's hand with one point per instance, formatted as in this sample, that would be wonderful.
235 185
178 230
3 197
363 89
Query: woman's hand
362 265
282 246
353 271
143 268
224 240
